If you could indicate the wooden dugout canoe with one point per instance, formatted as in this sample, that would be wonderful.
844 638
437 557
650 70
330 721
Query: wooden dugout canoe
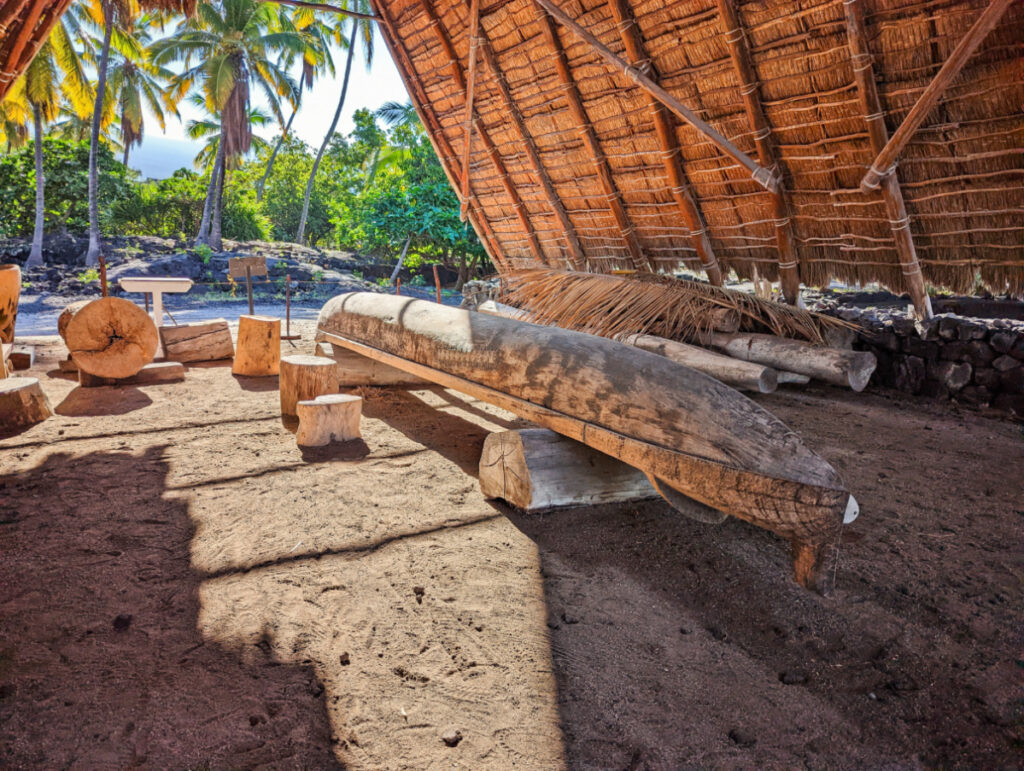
685 430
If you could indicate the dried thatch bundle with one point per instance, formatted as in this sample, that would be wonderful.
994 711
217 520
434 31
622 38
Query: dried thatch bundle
657 305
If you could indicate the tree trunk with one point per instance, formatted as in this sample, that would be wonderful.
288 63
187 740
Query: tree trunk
216 242
300 236
273 154
203 236
401 259
92 257
124 158
35 257
463 272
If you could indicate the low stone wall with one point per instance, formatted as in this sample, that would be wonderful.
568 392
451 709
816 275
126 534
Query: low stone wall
977 362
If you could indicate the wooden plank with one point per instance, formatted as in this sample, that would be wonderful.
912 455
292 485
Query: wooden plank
885 162
257 266
669 142
151 374
767 153
355 370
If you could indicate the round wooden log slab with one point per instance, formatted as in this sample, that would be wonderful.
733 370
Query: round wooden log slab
328 418
303 378
22 403
66 315
10 291
111 337
258 351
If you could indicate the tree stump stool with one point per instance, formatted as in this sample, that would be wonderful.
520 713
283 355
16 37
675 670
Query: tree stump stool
258 352
22 403
328 418
304 378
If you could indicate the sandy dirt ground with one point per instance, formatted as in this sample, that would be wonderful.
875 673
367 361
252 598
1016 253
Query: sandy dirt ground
182 587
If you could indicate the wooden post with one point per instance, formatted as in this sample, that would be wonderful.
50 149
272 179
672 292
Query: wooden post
304 378
885 162
892 194
398 286
593 144
248 287
258 352
576 257
103 277
288 309
435 133
762 175
492 151
437 283
474 25
669 142
767 153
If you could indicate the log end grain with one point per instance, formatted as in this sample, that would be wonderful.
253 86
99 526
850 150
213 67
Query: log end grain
111 338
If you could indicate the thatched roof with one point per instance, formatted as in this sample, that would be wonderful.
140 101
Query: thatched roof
25 24
549 187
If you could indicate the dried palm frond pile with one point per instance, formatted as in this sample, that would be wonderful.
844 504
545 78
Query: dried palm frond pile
655 305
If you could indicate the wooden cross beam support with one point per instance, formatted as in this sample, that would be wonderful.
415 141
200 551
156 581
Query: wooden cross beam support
763 176
885 161
489 146
743 64
604 172
871 106
474 28
442 148
576 256
669 142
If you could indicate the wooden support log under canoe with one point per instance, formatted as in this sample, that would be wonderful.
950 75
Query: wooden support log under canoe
681 427
831 365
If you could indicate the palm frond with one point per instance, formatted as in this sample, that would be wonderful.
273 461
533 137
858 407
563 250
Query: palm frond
658 305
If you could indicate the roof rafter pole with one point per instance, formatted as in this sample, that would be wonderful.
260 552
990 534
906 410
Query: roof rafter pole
885 160
576 256
743 64
871 106
669 141
325 7
442 148
474 28
604 172
763 176
492 150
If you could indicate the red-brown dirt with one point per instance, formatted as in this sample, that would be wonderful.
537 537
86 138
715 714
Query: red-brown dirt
349 607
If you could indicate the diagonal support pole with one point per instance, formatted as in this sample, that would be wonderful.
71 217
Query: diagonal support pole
467 130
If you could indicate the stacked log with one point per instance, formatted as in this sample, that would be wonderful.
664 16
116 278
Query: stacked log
108 337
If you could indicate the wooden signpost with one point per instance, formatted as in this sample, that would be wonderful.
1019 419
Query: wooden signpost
247 267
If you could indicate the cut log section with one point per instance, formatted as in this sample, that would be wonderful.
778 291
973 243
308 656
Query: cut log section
199 341
152 374
303 378
832 365
22 357
258 353
354 369
22 403
535 469
328 418
739 374
688 431
109 337
10 291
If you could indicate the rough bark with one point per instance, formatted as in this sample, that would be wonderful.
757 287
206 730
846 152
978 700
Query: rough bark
303 378
92 256
328 418
35 256
200 341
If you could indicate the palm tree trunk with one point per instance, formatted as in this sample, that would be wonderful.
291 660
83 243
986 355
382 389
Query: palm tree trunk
330 133
401 259
216 242
124 159
35 257
92 257
203 236
273 155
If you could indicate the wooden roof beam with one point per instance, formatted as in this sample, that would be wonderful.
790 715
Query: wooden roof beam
435 133
669 142
576 256
489 146
743 64
467 124
885 160
871 106
604 173
762 175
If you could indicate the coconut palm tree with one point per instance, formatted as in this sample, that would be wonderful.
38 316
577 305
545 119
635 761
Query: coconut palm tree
228 47
361 28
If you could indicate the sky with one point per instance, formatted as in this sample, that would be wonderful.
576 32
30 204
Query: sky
162 153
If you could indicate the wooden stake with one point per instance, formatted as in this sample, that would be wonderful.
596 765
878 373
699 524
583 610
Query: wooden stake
892 194
885 162
669 142
103 277
248 287
437 283
288 310
767 153
762 175
398 286
474 25
604 173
